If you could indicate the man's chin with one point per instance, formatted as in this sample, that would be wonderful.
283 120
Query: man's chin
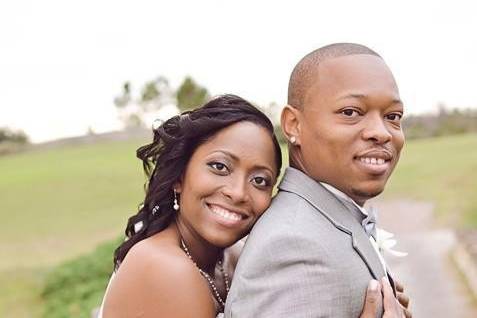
362 195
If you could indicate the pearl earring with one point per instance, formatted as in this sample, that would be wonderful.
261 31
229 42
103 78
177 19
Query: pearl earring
176 204
293 140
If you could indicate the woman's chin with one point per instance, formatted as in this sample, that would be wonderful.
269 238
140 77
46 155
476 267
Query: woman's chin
224 240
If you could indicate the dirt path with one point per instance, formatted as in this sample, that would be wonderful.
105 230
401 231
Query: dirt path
434 285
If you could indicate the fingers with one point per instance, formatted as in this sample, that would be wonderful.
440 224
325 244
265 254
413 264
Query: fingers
391 306
373 301
388 296
399 286
407 313
403 299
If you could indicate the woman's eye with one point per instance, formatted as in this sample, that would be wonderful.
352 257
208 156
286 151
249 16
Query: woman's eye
218 166
260 181
350 112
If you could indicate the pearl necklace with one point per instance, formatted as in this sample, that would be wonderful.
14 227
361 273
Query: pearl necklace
209 279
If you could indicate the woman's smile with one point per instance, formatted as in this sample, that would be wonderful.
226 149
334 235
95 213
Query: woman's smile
227 217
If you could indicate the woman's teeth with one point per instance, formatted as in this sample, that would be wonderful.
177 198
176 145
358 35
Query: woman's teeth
226 214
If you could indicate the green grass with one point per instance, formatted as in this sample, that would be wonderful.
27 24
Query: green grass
441 170
19 292
76 287
58 204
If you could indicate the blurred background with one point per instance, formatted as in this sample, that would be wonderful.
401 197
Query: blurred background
81 83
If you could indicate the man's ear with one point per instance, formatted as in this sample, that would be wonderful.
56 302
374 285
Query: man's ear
291 126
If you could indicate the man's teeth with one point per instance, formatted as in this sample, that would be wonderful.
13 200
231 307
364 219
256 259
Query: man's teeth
372 161
225 213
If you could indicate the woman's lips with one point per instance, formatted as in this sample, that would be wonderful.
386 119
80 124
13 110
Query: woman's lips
225 216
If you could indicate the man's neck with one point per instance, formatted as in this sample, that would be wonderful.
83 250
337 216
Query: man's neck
296 163
343 196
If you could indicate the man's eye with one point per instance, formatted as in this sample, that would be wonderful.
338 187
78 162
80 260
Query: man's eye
394 117
350 112
218 166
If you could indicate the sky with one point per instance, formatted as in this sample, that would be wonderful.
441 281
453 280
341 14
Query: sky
63 62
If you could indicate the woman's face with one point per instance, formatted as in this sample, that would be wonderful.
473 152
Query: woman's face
228 183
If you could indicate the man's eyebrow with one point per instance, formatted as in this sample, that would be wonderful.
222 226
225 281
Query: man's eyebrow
360 96
364 96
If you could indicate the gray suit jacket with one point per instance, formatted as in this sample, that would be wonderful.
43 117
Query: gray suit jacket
307 256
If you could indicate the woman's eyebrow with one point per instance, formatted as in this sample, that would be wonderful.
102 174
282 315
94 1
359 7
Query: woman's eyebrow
228 153
237 158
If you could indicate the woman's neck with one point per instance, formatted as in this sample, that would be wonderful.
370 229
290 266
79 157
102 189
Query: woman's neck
204 254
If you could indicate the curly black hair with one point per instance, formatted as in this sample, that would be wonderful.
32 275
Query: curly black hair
166 157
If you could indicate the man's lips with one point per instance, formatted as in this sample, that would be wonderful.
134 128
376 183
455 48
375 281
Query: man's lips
375 161
383 154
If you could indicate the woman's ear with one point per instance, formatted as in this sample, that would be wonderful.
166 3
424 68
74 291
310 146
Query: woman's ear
178 186
290 122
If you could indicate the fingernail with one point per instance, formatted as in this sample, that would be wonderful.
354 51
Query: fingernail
373 285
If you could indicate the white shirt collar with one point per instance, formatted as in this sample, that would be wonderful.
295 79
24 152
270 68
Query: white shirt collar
343 197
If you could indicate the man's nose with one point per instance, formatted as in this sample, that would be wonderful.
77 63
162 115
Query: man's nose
376 130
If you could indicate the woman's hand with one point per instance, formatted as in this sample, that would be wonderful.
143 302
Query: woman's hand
392 308
381 293
373 300
403 299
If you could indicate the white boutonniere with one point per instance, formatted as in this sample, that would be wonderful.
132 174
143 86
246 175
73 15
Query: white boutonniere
386 242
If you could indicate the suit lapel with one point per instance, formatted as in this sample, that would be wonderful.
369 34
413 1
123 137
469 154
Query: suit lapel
391 280
336 212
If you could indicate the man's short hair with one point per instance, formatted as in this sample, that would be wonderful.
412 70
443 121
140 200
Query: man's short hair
305 71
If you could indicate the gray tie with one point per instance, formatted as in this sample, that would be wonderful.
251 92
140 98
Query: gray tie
369 223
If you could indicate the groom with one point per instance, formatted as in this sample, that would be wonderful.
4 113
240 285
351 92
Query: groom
313 253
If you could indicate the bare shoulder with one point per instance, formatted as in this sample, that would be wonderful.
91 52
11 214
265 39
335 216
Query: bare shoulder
156 279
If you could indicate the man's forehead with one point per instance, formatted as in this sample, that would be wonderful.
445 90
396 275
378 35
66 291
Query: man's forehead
353 69
351 62
300 79
351 76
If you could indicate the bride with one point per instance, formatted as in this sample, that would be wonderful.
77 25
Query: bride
211 174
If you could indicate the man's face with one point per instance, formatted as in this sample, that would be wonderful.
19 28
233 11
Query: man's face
350 135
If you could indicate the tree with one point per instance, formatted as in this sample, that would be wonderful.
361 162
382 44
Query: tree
190 95
7 134
153 96
122 100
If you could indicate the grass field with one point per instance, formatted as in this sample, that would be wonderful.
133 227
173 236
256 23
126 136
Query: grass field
57 204
442 170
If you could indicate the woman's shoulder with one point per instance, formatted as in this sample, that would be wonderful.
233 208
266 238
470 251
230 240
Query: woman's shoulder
162 263
155 251
157 277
